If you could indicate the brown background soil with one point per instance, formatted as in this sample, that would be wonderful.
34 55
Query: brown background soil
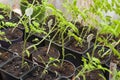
12 35
66 69
14 67
4 56
37 73
18 47
45 57
80 48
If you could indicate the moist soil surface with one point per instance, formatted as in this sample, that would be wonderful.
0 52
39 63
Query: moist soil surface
12 34
18 47
41 54
85 30
15 68
4 56
98 54
92 75
77 47
66 69
38 75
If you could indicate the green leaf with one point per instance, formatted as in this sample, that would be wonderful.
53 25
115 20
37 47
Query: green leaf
36 24
10 24
1 17
28 53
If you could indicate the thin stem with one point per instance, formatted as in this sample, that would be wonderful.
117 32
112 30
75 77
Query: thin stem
29 20
24 47
95 44
63 49
51 41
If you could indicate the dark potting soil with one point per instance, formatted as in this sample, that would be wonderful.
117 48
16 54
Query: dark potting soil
38 75
98 54
4 56
94 75
78 25
42 53
14 19
21 26
66 69
18 47
15 68
91 75
77 47
12 34
85 31
110 39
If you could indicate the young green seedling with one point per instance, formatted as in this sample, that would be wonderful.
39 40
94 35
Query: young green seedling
89 64
25 64
114 44
50 62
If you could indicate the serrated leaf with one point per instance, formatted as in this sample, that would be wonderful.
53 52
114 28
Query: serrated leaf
36 24
10 24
